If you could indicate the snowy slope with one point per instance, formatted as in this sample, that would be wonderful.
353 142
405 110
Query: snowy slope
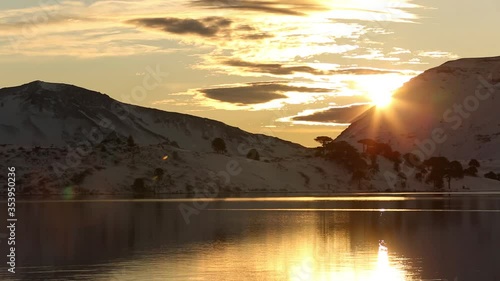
44 128
44 132
452 110
45 114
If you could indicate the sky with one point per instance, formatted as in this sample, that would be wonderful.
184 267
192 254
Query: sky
293 69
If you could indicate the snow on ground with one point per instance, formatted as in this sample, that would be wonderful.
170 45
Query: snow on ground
115 168
42 127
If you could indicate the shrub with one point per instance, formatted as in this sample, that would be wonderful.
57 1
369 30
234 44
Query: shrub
131 141
219 145
159 172
253 154
139 186
189 188
491 175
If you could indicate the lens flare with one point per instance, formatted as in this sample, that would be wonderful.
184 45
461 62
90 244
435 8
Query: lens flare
68 193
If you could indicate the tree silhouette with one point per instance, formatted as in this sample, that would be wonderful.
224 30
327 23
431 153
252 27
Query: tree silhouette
348 156
374 168
385 150
471 171
341 152
439 168
412 160
219 145
395 157
402 178
367 143
454 170
358 176
158 174
132 147
373 158
139 186
131 141
359 170
491 175
474 163
323 140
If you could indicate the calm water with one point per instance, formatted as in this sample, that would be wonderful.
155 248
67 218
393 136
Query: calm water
430 237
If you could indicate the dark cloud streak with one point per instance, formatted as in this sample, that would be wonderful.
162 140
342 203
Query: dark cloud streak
281 69
255 93
207 27
271 68
341 114
291 8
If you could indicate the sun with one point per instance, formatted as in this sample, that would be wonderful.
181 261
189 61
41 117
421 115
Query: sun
381 99
380 88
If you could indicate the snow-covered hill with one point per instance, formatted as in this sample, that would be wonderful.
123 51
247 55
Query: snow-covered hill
45 114
452 110
61 136
68 140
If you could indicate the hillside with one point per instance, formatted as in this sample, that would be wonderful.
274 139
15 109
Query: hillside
45 114
64 139
450 110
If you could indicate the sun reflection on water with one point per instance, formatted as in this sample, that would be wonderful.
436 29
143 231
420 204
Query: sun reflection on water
380 270
288 247
385 271
339 265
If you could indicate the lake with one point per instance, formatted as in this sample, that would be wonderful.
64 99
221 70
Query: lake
429 237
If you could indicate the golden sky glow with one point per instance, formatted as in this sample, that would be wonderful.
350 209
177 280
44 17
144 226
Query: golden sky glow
252 64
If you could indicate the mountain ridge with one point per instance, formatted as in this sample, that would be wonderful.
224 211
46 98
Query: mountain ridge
69 101
447 98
